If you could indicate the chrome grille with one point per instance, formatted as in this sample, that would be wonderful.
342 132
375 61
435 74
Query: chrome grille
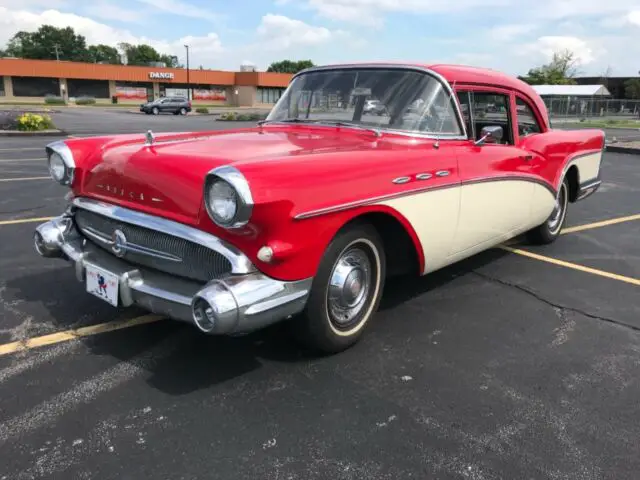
153 249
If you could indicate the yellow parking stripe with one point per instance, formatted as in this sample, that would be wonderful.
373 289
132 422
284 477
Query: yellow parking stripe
68 335
23 178
574 266
604 223
25 220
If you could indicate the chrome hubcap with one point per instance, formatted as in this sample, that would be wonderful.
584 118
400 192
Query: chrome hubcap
558 212
349 286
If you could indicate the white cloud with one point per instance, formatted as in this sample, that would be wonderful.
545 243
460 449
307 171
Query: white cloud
506 33
204 48
108 11
279 33
633 17
584 52
176 7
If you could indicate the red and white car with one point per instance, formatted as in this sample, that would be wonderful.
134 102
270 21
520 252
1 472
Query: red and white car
304 216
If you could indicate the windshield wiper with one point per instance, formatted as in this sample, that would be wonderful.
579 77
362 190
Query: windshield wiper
375 131
288 120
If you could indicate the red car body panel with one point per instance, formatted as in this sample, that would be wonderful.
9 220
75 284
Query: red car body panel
308 181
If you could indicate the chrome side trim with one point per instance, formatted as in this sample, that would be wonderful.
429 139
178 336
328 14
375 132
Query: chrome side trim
415 191
240 263
390 66
401 180
587 189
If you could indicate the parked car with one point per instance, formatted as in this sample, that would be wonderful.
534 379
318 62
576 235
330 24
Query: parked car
304 217
175 105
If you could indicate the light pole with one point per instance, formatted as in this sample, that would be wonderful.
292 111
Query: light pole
188 82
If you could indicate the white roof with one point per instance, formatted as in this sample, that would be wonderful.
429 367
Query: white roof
573 90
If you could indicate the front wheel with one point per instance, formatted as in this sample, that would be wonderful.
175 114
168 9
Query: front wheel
549 231
346 291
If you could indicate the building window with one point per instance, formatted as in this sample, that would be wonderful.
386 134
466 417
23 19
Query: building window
88 88
35 86
268 95
134 90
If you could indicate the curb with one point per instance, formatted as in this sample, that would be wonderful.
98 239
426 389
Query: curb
42 133
629 150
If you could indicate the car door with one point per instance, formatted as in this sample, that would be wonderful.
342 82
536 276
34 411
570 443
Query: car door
496 195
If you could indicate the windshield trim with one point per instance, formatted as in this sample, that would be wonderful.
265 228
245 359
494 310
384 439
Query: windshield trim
391 66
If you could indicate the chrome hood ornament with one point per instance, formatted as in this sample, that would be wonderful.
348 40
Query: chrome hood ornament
149 137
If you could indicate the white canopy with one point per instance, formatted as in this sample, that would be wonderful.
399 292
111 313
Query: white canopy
571 90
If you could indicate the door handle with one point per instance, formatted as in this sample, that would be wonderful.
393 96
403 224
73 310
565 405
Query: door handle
527 158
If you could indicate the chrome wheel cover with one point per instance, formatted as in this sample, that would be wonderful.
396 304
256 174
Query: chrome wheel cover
557 216
350 287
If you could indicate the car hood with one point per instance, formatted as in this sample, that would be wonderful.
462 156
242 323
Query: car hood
167 177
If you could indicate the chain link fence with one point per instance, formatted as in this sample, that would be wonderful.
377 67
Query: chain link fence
577 107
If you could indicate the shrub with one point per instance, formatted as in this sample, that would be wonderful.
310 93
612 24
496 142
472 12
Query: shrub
241 117
202 110
85 101
54 100
32 122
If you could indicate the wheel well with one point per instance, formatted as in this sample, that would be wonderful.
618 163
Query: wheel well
402 257
574 185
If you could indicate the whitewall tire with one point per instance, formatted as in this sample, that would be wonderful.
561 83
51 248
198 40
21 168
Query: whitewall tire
346 290
550 230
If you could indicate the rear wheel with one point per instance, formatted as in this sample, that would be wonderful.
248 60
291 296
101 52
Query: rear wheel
551 228
346 291
183 111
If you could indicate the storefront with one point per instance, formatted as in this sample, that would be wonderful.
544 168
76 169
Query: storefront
34 80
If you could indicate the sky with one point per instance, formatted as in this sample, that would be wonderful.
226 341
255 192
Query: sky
507 35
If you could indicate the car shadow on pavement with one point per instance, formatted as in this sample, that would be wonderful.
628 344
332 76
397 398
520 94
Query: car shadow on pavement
195 361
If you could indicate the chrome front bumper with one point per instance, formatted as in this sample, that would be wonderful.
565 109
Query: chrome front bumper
227 305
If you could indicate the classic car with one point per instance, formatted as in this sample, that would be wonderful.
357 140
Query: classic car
302 217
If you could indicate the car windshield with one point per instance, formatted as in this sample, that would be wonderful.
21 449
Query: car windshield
382 98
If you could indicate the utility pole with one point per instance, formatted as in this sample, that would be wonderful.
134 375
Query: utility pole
188 81
57 48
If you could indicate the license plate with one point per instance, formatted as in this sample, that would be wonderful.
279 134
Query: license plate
102 284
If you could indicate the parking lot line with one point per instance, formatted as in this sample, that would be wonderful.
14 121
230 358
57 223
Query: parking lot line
574 266
19 179
24 220
604 223
14 160
68 335
21 149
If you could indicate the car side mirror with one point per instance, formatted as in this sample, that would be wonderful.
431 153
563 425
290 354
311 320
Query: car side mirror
494 132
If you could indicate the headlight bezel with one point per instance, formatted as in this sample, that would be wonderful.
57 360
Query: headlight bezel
61 149
233 178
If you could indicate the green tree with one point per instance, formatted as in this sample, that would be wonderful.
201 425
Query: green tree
632 88
289 66
48 43
104 53
561 70
144 54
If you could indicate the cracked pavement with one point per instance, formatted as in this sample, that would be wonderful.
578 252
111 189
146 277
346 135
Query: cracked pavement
499 367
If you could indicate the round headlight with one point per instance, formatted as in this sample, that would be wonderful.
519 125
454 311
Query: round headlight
57 168
223 202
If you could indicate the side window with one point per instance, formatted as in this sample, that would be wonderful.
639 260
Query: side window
527 123
465 106
492 109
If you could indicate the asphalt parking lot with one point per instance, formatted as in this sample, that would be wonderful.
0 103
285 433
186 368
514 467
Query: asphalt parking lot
519 363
